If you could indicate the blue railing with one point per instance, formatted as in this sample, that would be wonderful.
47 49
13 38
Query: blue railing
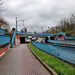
66 53
27 33
70 37
4 39
2 31
62 42
17 32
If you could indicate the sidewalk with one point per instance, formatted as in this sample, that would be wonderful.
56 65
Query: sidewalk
20 61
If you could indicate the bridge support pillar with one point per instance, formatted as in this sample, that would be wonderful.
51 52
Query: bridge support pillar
30 40
46 38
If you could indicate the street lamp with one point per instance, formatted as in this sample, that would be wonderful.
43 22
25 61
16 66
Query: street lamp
43 28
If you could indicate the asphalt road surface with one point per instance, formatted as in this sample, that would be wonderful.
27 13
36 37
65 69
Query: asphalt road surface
20 61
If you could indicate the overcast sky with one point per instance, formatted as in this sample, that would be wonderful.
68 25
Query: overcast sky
38 13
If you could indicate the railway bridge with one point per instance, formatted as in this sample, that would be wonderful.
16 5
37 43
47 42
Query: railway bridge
20 60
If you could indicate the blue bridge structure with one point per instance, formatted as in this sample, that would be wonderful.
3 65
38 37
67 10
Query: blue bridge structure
56 49
10 38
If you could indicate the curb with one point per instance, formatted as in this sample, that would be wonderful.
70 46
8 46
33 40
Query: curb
44 64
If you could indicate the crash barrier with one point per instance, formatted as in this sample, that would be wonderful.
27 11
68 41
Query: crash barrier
2 31
35 33
4 44
62 42
4 39
65 53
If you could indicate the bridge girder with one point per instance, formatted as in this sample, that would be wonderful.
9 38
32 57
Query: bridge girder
20 35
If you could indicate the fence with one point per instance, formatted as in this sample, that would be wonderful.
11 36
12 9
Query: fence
36 33
2 31
4 39
62 42
66 53
4 46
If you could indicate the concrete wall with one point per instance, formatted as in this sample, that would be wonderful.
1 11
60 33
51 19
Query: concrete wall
4 49
16 40
61 37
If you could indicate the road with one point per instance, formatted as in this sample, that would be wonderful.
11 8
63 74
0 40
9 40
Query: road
20 61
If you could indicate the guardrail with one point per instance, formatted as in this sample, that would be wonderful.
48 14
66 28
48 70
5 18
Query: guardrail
7 41
62 42
36 33
2 31
65 53
4 39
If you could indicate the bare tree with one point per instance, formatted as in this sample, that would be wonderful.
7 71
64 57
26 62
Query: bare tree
2 9
4 24
65 25
72 20
1 3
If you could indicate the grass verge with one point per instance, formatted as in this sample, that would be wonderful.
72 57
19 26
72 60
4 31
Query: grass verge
57 65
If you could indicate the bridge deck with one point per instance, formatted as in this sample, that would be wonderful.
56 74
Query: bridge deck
20 61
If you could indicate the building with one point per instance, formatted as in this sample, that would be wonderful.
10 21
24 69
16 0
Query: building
30 30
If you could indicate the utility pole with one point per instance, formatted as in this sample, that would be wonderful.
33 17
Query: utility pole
16 23
23 21
19 20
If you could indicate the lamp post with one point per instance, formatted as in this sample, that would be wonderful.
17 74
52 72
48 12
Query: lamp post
43 28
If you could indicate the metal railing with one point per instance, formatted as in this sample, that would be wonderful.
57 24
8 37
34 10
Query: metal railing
35 33
4 39
64 52
2 31
62 42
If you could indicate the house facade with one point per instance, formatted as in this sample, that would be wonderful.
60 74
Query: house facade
30 30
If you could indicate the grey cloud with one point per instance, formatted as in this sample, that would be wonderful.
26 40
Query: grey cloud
43 13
